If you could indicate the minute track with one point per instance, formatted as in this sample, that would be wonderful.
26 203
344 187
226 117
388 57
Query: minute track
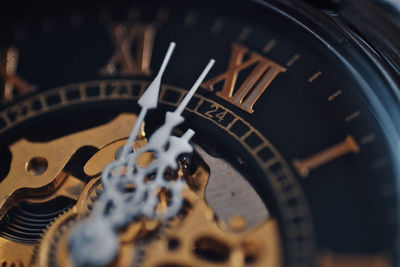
268 158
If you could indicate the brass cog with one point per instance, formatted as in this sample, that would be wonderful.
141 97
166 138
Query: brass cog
200 240
45 163
150 243
50 183
53 249
195 237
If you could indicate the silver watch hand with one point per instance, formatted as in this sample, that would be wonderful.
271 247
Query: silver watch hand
172 119
95 241
148 100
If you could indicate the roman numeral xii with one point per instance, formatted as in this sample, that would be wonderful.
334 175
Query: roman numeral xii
262 72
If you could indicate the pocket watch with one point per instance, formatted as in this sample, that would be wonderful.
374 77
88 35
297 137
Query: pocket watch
199 133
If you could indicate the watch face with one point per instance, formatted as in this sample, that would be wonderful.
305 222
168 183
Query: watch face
294 160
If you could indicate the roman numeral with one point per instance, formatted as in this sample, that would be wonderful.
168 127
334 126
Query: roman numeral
128 38
13 85
263 72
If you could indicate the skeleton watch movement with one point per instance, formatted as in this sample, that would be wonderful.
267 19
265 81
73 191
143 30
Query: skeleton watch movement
230 133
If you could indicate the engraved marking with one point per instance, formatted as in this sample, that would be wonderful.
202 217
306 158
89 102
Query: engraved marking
217 26
82 90
304 166
314 76
244 34
229 126
115 89
270 163
367 139
270 45
209 113
263 73
334 95
243 137
42 99
102 87
265 144
352 116
123 62
196 109
63 97
216 113
258 148
190 19
162 93
293 60
14 85
180 98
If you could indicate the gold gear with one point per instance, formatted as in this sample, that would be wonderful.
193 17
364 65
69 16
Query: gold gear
194 238
53 248
39 170
200 240
25 182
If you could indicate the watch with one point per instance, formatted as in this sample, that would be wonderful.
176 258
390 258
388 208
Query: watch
200 133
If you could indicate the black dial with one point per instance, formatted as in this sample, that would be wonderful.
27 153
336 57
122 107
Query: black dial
292 105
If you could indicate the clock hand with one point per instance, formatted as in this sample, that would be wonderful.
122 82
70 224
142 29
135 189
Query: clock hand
95 241
172 119
118 174
148 101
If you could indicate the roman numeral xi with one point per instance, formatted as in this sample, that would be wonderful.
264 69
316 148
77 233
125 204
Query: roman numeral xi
133 47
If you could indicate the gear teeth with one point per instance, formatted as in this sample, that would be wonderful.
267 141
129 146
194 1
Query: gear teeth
98 191
60 229
37 246
35 252
5 263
